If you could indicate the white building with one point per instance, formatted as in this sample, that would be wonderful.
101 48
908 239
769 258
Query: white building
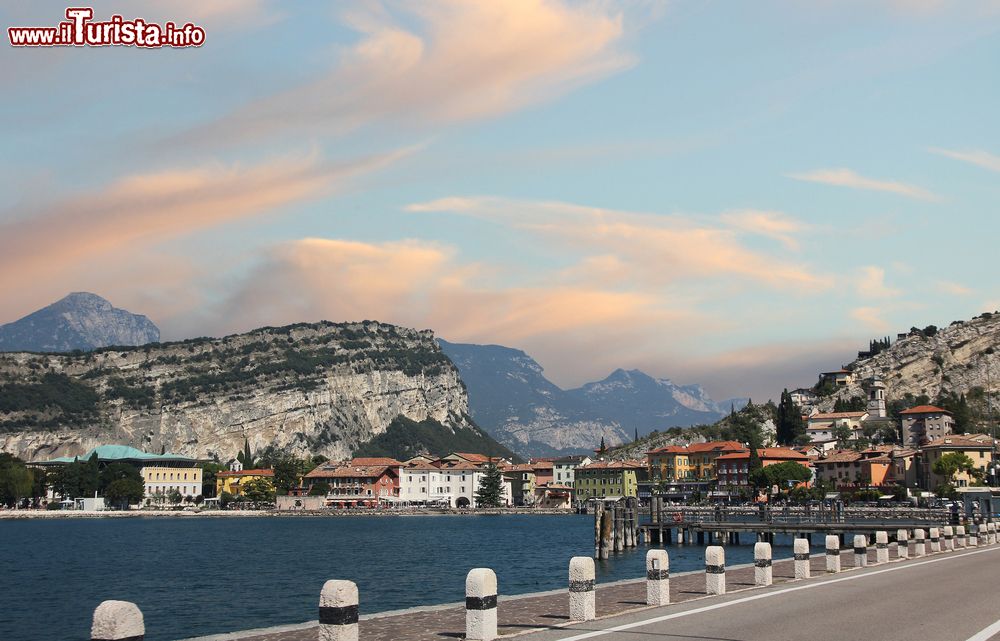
820 427
563 469
443 483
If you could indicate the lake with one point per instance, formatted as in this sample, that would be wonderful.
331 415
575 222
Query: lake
204 575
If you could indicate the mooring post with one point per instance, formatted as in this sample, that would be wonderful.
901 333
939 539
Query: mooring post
117 620
607 532
598 525
860 550
800 548
481 604
582 601
715 570
903 539
762 572
881 547
935 539
832 553
338 611
657 577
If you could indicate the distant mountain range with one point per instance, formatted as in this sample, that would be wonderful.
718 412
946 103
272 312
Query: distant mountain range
80 321
510 397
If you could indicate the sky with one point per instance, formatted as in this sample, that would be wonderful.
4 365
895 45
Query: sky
736 194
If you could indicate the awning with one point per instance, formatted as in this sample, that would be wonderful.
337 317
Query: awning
832 495
886 497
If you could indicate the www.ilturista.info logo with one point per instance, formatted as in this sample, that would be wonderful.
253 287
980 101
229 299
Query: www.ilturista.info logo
80 30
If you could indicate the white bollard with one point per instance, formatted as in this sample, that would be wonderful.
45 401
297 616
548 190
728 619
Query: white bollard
992 533
657 577
919 543
881 547
338 611
481 604
115 620
935 538
801 549
973 537
949 538
582 601
762 572
832 553
715 570
860 550
983 535
960 539
903 541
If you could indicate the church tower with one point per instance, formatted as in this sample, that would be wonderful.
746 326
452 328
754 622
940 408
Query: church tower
876 399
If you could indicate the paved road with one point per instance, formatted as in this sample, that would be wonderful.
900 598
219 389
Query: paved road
948 597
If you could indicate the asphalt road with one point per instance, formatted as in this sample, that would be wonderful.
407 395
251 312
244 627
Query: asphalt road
945 597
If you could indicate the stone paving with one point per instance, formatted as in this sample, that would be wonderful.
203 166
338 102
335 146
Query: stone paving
519 615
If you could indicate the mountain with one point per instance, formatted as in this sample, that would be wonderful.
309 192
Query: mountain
320 388
80 321
511 398
961 359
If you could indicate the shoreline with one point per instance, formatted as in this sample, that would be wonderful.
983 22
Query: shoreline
27 515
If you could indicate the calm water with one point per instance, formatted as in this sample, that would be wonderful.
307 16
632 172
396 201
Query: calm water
198 576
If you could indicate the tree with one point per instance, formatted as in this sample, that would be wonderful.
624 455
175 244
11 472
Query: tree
603 448
116 472
286 474
124 492
225 499
246 457
782 474
259 490
843 434
319 489
174 496
490 491
789 421
951 464
209 475
16 480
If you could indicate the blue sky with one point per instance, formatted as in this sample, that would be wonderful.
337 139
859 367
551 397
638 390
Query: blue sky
736 194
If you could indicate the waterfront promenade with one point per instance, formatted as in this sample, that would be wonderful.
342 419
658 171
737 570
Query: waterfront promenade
902 599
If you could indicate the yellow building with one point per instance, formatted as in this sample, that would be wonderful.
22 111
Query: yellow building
978 447
694 462
164 480
232 482
607 478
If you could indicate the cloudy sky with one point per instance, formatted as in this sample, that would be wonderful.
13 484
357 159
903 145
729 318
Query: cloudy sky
732 193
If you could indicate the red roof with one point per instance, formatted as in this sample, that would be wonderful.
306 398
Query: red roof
925 409
669 449
375 460
766 453
712 446
258 472
474 458
350 471
832 415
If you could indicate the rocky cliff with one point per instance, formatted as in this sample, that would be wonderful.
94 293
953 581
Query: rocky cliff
960 359
80 321
320 388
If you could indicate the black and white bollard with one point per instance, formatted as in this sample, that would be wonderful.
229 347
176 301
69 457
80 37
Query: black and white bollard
715 570
881 547
919 542
657 577
935 538
762 572
949 538
903 541
992 532
582 602
973 537
983 534
481 604
338 611
860 550
960 539
832 553
800 547
117 620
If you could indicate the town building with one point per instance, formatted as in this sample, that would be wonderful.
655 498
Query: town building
840 377
925 423
978 447
804 397
601 479
451 481
821 426
876 399
563 468
850 469
356 484
233 481
733 469
522 484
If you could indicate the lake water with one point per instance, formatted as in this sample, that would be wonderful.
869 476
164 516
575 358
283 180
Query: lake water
204 575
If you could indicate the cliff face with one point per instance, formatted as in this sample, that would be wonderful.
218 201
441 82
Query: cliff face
960 358
321 388
79 321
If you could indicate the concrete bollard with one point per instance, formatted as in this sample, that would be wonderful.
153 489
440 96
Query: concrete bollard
582 601
903 541
881 547
762 572
919 543
973 537
992 532
984 538
949 538
860 550
480 604
657 577
338 611
935 538
960 538
832 553
115 620
800 547
715 570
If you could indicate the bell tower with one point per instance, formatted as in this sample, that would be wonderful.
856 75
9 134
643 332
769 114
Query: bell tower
876 399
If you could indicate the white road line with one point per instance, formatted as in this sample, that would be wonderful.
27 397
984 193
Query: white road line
986 633
766 595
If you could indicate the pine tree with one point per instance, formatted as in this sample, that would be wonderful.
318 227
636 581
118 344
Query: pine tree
604 448
490 491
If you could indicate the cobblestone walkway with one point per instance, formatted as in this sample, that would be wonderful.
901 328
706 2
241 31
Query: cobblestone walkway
517 615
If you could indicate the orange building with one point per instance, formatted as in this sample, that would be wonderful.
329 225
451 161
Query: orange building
733 469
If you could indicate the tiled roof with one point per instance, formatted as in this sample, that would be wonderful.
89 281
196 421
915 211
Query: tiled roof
712 446
835 415
420 465
957 440
925 409
349 471
840 456
258 472
613 465
375 460
766 453
669 449
474 458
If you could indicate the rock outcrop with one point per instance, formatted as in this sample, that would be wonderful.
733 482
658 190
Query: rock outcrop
312 388
80 321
